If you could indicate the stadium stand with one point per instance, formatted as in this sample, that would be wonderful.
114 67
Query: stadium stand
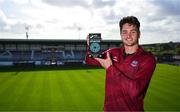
46 52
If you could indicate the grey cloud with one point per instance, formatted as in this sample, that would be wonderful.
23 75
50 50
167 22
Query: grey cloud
67 3
52 21
166 16
39 26
17 28
82 3
100 3
111 18
168 7
74 26
2 24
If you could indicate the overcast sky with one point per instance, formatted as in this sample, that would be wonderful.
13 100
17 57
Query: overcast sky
74 19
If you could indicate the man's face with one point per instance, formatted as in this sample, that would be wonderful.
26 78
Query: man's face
130 34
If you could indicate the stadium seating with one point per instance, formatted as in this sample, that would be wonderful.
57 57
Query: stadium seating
45 52
29 56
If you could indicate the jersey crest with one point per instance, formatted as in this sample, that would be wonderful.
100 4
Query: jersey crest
134 63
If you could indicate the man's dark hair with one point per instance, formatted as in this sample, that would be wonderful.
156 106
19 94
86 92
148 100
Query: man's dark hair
131 20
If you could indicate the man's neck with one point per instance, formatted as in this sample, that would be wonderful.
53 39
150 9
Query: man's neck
131 49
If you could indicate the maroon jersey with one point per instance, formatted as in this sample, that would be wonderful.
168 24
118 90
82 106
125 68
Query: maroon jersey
127 79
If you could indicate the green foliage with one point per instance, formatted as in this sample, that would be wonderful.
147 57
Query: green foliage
177 50
164 49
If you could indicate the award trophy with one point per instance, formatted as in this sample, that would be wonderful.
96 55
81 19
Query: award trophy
94 45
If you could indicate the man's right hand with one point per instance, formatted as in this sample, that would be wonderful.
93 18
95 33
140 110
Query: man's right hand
106 63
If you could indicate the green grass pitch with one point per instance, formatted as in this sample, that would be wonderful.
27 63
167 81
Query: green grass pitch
79 89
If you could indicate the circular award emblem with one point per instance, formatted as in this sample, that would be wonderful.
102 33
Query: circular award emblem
95 47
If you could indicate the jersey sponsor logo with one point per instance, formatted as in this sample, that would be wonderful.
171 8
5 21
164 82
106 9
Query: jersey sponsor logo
115 58
134 63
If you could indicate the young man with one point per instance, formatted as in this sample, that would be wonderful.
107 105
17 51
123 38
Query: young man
128 69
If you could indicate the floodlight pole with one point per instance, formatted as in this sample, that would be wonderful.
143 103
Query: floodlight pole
27 29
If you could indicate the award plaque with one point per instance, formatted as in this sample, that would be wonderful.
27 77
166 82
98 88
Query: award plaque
94 45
